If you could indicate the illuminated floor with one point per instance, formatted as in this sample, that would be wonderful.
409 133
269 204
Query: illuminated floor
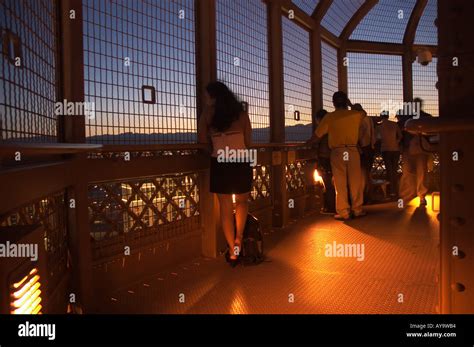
398 274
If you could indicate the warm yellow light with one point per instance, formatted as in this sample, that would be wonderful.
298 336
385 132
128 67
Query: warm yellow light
317 178
233 198
26 287
24 298
26 295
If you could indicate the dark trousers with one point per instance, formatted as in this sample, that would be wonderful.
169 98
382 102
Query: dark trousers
391 159
324 168
366 161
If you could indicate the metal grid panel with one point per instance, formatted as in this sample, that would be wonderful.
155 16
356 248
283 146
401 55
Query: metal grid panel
375 81
297 81
329 68
159 208
386 22
307 6
426 32
131 44
339 14
28 91
242 58
424 86
50 213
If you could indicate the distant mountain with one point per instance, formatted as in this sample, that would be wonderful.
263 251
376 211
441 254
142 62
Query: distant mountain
294 133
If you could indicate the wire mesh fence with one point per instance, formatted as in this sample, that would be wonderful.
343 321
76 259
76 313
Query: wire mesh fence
297 81
329 73
386 22
28 71
139 71
424 86
426 32
307 6
375 81
242 58
339 14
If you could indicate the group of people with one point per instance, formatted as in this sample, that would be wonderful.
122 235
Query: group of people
347 140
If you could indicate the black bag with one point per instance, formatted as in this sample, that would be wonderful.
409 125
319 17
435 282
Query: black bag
252 242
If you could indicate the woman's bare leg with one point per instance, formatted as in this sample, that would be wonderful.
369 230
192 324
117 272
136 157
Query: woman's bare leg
241 211
227 220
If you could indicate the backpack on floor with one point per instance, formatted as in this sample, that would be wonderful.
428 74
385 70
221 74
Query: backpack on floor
252 242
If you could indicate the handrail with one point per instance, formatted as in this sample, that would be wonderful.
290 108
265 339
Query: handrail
30 148
439 125
9 148
187 146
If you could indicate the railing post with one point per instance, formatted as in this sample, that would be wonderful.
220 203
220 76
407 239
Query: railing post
316 69
206 71
455 73
277 111
342 63
407 67
72 130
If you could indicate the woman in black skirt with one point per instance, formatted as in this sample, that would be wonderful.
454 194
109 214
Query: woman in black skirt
226 127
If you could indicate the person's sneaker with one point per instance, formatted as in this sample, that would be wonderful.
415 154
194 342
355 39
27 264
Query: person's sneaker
423 202
339 217
360 214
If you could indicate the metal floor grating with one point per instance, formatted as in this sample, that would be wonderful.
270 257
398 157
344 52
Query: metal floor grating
401 257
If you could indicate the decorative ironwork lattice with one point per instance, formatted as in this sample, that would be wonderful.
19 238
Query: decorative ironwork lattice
261 182
163 207
50 213
295 176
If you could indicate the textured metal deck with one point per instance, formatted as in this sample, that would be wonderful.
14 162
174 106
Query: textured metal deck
398 274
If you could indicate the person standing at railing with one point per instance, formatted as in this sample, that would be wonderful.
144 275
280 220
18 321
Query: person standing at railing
414 163
367 147
342 127
225 125
390 137
324 167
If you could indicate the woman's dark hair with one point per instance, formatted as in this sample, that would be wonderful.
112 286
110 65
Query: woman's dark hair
227 107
